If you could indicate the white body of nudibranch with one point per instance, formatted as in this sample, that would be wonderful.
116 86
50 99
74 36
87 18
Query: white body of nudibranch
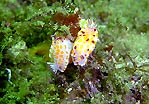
60 51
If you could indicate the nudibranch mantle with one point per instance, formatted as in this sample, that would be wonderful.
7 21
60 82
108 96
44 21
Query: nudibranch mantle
60 52
84 44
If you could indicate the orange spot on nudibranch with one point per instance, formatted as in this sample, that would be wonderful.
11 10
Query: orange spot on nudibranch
62 52
60 46
56 56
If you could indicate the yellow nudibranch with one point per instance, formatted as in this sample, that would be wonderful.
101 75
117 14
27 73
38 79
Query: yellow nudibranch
84 44
60 51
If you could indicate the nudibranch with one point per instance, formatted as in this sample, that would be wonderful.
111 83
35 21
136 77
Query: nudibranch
84 44
60 52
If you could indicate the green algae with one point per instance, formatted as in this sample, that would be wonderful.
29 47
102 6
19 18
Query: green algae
118 74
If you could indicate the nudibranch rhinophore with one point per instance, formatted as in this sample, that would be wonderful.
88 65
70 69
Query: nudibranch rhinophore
60 51
84 44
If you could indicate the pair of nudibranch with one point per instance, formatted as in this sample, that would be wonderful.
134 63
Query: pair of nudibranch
63 50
